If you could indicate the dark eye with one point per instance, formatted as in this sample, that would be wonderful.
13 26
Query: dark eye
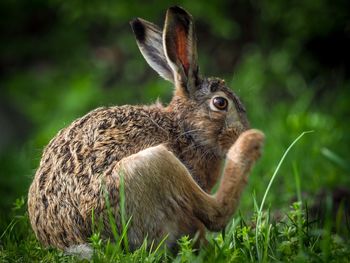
220 103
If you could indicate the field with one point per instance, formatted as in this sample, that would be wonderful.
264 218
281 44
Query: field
60 60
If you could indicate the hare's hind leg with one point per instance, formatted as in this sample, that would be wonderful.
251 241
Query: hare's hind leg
161 197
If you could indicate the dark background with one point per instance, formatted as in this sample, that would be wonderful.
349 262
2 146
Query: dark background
288 61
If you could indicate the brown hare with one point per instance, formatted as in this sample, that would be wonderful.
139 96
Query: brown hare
170 156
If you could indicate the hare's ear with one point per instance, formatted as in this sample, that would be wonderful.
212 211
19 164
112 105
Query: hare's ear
150 42
180 48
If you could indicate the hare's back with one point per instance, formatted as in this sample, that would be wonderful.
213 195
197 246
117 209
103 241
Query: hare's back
93 143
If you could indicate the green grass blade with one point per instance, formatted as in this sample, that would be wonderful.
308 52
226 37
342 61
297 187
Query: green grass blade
268 189
123 215
111 217
298 189
279 166
336 159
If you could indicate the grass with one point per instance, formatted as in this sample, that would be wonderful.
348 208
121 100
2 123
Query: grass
266 236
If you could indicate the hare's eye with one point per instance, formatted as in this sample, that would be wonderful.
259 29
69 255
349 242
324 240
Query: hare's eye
220 103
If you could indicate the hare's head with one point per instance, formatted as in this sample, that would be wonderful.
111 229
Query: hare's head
209 112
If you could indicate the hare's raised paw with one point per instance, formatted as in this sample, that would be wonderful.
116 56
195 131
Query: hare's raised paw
248 147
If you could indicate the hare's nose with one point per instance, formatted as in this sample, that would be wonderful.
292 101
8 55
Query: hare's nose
245 123
232 118
237 125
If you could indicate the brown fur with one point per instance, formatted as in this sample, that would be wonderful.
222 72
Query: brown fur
170 158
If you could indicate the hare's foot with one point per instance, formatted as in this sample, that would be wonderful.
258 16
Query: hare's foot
82 251
246 150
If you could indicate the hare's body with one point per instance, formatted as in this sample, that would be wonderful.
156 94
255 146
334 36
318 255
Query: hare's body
84 154
170 157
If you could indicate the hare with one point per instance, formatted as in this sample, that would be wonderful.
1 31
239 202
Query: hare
169 157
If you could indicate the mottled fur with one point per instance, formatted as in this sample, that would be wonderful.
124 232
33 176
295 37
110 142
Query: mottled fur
170 158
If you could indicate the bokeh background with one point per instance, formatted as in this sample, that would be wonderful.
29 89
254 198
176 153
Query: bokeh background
287 60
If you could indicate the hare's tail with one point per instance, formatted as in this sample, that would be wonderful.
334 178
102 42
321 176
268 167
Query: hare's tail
82 251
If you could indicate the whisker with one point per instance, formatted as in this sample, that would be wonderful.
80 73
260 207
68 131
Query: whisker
186 132
196 145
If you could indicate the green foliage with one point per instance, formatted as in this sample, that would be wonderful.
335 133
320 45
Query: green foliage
290 238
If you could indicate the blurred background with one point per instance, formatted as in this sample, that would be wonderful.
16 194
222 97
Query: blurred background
287 60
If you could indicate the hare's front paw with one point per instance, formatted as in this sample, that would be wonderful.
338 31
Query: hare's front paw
247 148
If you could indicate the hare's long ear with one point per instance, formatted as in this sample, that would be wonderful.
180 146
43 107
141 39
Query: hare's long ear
180 48
150 42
